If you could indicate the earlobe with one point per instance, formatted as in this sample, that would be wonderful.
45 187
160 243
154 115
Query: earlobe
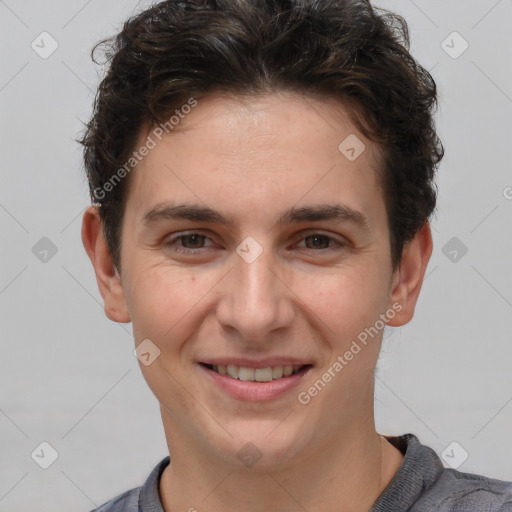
408 278
108 278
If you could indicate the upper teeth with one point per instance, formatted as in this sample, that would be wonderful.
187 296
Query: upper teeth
256 374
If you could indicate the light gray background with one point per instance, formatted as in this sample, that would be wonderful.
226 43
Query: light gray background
68 375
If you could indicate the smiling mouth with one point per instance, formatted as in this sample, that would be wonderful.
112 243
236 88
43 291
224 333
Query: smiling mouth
267 374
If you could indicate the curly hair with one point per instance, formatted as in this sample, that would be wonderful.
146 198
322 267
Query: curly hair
344 49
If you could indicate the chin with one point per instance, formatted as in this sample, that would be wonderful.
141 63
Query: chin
262 444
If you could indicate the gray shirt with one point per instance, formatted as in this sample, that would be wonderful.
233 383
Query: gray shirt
421 484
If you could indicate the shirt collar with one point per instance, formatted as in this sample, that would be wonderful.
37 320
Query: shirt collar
149 495
420 468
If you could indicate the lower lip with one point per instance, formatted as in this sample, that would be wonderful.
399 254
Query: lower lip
255 391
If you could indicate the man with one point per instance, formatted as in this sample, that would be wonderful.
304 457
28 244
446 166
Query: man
262 178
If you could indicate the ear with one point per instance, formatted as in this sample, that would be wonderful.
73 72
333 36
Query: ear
408 278
107 276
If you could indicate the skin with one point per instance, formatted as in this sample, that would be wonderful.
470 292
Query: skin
251 159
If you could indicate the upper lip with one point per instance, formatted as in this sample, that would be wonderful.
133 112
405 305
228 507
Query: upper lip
256 363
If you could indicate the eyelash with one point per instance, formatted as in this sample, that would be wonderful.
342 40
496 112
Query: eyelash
183 250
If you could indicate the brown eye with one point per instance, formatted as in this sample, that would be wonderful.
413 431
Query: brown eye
196 241
318 241
188 243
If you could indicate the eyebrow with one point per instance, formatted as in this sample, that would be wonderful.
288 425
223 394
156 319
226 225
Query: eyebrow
200 213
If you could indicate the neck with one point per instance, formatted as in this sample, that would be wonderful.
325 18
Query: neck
346 474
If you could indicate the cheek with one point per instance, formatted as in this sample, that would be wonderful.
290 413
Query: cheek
165 306
160 298
348 305
346 301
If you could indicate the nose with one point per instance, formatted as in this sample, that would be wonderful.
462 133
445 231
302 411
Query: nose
256 302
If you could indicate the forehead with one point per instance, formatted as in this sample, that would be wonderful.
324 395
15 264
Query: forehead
258 152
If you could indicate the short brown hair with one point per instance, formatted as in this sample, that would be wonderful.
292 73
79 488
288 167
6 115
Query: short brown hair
345 49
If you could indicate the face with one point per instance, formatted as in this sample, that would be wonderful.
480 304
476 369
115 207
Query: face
252 245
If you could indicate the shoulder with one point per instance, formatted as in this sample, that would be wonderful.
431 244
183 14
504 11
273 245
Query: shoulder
126 502
455 491
423 484
143 498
